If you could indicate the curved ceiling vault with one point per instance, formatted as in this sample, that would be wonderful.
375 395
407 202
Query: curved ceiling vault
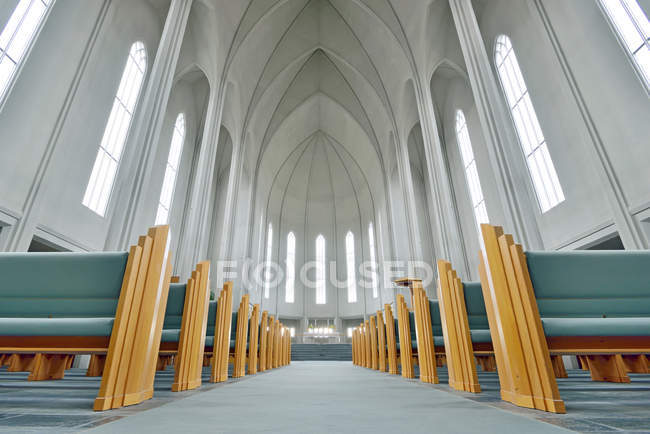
286 51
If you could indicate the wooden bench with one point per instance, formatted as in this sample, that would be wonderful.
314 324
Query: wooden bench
465 328
53 305
590 303
253 340
184 328
219 333
369 343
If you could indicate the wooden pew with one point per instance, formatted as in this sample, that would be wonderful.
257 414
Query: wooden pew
466 333
253 339
588 303
366 345
264 338
381 342
108 303
270 342
221 332
404 344
238 347
354 357
185 326
276 343
374 362
419 324
391 341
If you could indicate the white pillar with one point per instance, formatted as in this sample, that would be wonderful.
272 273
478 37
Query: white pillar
406 179
195 238
500 137
447 227
130 218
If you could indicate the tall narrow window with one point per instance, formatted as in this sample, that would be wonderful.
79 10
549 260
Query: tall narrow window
289 289
321 291
540 166
17 36
171 171
373 260
267 269
633 28
350 262
102 178
471 173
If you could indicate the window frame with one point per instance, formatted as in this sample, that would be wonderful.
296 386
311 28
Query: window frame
351 271
468 166
269 256
321 271
19 65
538 146
290 275
168 167
139 46
636 67
372 246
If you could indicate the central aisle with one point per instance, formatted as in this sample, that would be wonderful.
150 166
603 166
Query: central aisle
326 397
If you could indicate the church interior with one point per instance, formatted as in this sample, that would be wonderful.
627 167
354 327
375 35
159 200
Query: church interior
234 216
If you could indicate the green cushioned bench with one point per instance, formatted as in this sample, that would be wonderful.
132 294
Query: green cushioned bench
56 305
595 304
184 328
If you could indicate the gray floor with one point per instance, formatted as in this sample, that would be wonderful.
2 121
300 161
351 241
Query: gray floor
320 397
327 397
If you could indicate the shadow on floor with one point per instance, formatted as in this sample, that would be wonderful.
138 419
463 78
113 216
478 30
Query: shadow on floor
591 406
66 405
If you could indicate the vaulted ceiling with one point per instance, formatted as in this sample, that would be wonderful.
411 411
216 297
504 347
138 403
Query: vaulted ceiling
275 57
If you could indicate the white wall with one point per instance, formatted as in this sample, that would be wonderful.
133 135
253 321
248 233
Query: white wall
31 111
614 97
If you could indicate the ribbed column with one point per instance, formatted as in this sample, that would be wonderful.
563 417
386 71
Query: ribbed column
447 232
500 136
130 218
406 179
195 232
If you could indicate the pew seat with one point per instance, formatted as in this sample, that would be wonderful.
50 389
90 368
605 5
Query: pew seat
56 305
480 336
56 326
595 304
563 327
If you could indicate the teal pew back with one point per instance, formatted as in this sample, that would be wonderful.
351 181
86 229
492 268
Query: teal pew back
175 306
592 293
591 283
434 313
60 285
475 305
212 318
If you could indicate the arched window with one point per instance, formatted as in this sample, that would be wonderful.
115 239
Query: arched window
267 270
350 262
633 29
321 292
471 173
102 178
540 166
174 158
373 260
289 289
17 36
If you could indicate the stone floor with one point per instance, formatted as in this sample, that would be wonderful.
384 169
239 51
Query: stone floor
66 405
328 396
591 406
